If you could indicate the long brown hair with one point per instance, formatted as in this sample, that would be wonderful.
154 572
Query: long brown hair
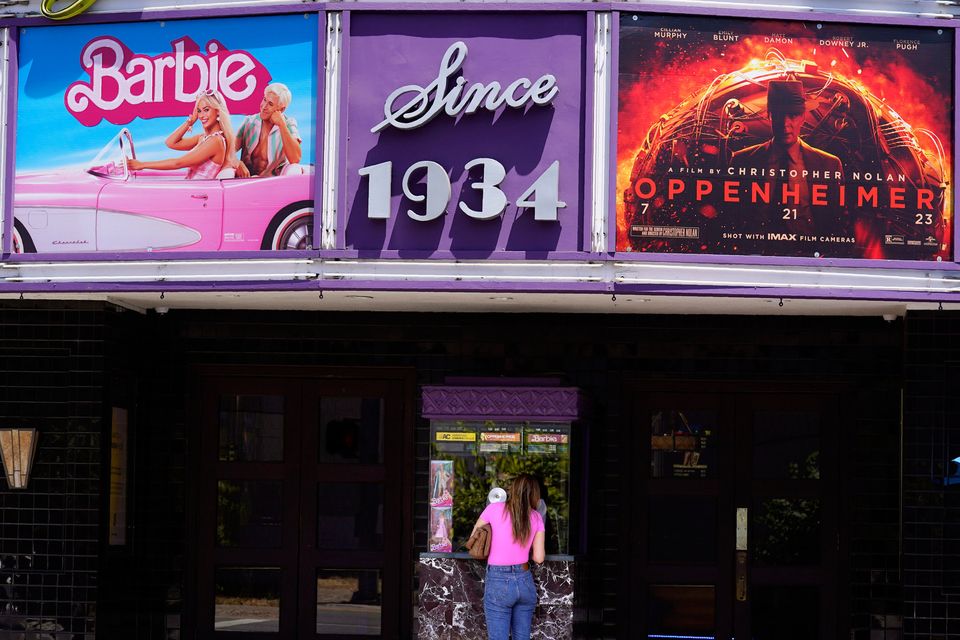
524 496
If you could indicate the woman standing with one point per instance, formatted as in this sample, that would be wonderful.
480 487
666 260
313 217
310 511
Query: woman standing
209 152
510 596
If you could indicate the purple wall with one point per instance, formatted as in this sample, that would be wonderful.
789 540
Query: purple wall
387 51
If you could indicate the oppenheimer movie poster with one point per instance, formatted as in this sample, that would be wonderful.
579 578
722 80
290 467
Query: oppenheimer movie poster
778 138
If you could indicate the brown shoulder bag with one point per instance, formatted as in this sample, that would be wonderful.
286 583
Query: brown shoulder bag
479 543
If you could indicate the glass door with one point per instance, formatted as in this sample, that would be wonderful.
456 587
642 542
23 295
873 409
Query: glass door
300 493
787 493
735 532
351 526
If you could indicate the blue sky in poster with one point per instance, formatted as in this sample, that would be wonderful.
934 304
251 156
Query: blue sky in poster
50 136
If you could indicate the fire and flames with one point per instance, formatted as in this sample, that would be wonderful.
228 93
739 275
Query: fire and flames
673 74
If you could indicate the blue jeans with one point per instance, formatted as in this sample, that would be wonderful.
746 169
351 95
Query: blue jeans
509 598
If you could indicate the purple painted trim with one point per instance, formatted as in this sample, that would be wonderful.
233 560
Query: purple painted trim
481 381
956 143
723 260
507 256
639 7
587 114
613 146
603 289
512 288
790 293
617 8
10 153
814 16
342 133
319 107
499 417
313 7
159 255
172 14
130 16
501 403
516 256
491 7
143 255
720 259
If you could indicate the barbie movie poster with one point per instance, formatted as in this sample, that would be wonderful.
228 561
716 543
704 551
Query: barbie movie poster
441 529
441 483
777 138
180 135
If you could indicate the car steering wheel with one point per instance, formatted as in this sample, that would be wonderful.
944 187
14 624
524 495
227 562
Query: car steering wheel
125 139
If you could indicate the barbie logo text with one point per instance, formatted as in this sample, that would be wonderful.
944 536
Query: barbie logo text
124 85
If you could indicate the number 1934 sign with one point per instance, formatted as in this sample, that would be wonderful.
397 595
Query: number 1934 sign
459 142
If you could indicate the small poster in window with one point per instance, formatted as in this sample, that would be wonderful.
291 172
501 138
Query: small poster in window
547 439
441 483
457 438
441 529
500 439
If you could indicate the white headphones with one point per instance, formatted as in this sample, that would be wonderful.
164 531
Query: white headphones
496 495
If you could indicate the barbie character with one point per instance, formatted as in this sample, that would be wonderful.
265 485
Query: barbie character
209 154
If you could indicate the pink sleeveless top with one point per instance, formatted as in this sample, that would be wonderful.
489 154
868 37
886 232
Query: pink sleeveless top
208 169
503 549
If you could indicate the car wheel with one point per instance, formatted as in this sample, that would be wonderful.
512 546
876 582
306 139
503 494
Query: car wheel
291 229
22 243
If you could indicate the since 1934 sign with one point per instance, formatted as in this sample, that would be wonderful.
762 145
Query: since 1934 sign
465 132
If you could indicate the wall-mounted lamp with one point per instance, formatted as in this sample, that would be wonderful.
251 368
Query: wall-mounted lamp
17 447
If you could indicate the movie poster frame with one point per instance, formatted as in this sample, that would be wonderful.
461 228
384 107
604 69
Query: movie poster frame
588 83
14 24
11 66
778 261
17 24
339 251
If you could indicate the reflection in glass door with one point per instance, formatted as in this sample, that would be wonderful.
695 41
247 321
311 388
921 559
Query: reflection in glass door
302 537
247 532
351 525
789 489
734 532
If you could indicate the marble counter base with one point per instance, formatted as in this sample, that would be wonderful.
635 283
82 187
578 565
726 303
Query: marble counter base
451 599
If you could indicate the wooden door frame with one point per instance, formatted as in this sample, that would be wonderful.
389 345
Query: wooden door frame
198 376
635 475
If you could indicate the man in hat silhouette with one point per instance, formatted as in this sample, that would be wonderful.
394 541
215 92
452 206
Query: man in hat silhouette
794 163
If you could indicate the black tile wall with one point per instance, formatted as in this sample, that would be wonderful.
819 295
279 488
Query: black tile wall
144 587
52 378
931 507
596 353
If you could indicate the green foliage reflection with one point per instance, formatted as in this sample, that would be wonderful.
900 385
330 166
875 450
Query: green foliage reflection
476 475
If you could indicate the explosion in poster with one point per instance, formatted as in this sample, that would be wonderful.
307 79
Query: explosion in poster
792 139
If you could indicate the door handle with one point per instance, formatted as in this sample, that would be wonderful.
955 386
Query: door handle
741 579
740 570
199 196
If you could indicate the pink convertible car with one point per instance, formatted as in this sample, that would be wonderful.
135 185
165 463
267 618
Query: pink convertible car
109 208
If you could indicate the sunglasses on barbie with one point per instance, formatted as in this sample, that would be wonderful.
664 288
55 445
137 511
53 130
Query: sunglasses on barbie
211 93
